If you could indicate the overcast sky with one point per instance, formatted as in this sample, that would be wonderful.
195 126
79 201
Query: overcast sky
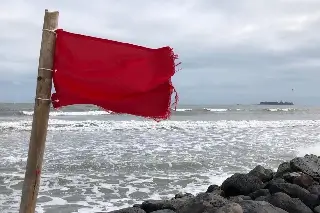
232 51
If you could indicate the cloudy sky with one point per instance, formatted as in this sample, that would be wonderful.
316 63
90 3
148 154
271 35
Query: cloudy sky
231 51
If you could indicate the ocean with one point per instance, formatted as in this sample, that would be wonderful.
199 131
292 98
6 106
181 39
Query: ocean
97 162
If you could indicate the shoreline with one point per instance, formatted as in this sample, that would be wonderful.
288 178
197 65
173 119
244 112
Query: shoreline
293 188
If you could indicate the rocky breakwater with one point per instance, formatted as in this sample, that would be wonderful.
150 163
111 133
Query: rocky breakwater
293 188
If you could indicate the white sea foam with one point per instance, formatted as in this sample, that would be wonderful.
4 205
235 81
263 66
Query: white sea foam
55 113
313 149
280 109
62 113
183 110
14 159
109 125
216 110
103 165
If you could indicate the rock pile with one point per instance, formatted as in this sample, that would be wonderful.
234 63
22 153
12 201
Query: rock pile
294 188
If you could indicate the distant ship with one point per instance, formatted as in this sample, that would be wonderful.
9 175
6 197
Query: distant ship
275 103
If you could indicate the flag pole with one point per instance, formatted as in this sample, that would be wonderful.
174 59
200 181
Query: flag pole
41 114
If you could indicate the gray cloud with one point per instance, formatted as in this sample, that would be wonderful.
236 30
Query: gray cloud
231 51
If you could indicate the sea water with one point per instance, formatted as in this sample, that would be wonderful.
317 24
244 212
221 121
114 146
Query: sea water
96 161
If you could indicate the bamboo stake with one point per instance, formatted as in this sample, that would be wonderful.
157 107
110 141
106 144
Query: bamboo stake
41 115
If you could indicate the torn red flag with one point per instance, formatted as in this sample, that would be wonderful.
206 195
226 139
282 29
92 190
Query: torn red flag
119 77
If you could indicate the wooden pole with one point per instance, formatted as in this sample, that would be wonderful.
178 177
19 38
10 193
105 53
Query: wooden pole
41 114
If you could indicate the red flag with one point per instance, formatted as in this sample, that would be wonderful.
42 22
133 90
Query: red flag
120 77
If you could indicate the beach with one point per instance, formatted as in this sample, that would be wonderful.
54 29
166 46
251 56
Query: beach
100 162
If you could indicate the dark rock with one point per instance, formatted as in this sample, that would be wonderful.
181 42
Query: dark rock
129 210
215 200
230 208
314 189
299 178
309 164
295 191
186 196
216 191
282 169
285 202
274 181
303 180
261 198
212 188
259 193
239 198
278 180
294 188
219 192
176 204
263 174
288 177
236 198
164 211
316 209
196 207
250 206
246 197
203 202
154 205
241 184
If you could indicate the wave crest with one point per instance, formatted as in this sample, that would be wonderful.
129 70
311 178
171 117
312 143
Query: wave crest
61 113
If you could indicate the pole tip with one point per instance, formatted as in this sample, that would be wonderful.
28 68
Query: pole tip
51 12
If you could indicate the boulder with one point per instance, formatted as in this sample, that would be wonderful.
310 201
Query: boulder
309 164
316 209
259 193
241 184
263 174
230 208
129 210
219 192
164 211
184 196
289 176
299 178
274 181
250 206
213 188
285 202
303 180
213 199
277 180
294 188
282 169
154 205
239 198
261 198
314 189
176 203
203 202
196 207
295 191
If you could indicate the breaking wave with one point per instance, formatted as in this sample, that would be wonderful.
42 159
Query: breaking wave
280 109
56 124
61 113
185 111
